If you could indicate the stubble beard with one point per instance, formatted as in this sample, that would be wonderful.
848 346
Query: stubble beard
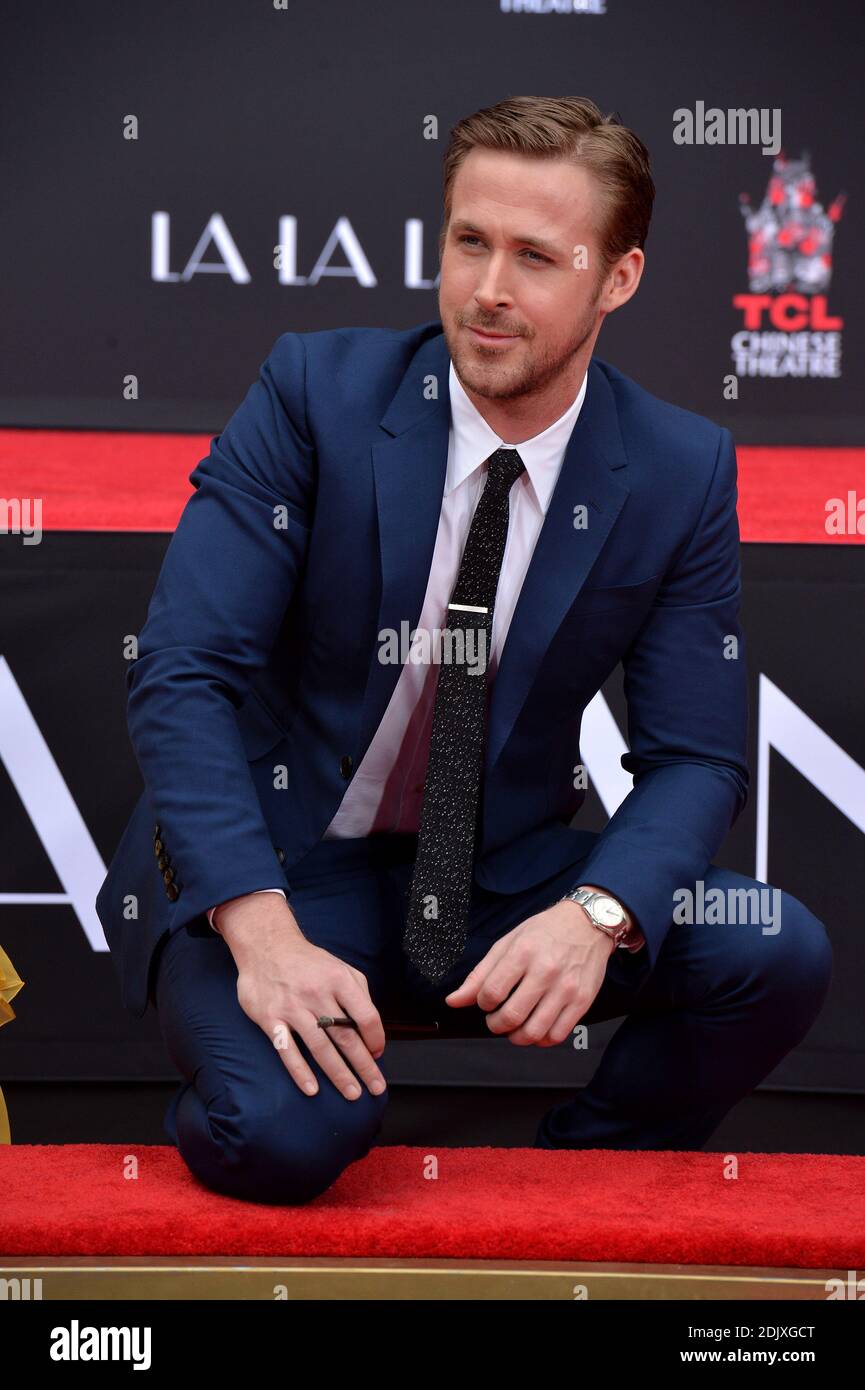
503 381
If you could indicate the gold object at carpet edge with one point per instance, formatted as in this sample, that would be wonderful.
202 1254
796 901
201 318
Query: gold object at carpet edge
10 983
313 1279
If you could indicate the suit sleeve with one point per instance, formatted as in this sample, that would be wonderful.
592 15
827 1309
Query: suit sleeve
228 575
685 684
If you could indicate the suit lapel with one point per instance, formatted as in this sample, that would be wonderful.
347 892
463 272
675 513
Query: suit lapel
409 470
592 474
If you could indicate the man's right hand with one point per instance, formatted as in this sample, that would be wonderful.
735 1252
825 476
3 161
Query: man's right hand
285 983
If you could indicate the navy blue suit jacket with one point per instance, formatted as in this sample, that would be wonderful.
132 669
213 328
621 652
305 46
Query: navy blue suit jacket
311 528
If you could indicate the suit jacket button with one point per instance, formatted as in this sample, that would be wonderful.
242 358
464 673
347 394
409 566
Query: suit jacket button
157 831
280 854
163 861
345 765
168 875
158 847
172 892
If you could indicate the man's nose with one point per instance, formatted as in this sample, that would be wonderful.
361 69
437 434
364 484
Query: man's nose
492 289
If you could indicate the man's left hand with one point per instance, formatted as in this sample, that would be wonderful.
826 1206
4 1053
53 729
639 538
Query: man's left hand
554 963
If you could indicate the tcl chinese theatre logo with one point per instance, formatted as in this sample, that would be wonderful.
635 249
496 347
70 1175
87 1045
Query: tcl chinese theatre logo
788 329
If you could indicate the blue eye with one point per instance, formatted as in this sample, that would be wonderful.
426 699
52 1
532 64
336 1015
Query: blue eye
544 260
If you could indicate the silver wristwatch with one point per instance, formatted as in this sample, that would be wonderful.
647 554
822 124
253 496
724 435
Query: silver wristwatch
604 911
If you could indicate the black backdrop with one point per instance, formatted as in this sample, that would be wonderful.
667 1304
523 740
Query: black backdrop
318 112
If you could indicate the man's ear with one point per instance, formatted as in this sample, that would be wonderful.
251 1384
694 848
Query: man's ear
625 276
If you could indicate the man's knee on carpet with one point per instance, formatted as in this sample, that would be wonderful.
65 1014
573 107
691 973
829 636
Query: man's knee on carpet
277 1153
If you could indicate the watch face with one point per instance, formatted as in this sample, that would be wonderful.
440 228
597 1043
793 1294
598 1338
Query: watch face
608 911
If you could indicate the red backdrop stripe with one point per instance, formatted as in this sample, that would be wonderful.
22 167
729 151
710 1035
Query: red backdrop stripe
105 480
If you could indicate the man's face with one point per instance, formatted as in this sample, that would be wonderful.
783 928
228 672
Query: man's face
493 277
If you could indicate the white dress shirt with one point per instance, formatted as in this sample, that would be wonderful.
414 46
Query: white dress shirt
386 791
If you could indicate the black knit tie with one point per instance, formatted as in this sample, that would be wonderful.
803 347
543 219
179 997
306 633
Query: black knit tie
440 892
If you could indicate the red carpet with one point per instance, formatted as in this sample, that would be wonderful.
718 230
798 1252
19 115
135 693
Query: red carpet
783 1210
104 480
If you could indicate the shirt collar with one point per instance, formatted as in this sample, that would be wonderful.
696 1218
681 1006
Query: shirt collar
473 440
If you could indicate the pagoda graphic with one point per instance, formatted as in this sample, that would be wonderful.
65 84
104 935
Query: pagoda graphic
790 234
